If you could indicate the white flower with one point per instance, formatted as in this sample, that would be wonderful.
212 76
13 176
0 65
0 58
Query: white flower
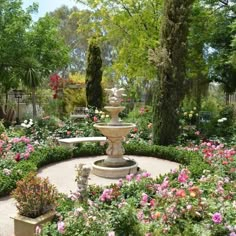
25 121
107 116
102 116
222 120
96 111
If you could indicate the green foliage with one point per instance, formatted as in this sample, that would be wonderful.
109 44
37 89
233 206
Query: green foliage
193 160
10 173
89 149
94 76
2 127
47 155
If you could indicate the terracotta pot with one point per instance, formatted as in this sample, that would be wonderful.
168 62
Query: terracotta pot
25 226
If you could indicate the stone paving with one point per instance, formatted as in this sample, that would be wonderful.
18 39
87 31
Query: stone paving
62 174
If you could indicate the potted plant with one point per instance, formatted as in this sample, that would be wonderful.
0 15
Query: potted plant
36 201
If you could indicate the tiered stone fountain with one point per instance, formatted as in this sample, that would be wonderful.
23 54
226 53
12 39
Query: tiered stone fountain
115 165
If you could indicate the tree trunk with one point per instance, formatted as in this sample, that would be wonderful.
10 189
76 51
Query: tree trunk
34 102
171 71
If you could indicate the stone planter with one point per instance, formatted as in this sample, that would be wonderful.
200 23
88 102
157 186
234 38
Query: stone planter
25 226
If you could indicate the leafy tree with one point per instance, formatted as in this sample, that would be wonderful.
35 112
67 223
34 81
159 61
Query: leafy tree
222 35
171 70
130 28
68 23
94 76
14 23
197 65
45 53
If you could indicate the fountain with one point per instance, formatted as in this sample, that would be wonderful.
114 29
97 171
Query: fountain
115 165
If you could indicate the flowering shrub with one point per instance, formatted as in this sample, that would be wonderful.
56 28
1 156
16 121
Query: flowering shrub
56 82
189 117
35 196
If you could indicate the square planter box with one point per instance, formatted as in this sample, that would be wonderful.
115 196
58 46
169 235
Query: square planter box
25 226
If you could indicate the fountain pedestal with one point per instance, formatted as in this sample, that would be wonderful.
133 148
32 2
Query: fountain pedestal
115 165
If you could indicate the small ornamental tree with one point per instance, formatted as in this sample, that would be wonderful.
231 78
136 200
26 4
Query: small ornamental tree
94 76
56 83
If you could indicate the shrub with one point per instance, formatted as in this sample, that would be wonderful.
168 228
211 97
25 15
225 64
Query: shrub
35 196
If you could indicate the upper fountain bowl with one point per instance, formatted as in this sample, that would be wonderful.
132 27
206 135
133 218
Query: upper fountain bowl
114 130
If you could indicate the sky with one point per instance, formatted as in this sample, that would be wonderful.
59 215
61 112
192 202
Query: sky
48 6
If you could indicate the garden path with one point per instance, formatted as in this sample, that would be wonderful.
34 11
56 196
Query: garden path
62 174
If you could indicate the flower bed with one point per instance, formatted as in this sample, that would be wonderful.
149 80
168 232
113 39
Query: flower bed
178 203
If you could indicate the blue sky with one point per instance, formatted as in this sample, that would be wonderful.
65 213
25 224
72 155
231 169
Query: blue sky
49 5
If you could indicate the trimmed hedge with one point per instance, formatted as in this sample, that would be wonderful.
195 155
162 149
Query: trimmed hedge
47 155
193 160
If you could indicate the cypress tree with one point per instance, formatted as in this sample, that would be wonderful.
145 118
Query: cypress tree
171 71
94 76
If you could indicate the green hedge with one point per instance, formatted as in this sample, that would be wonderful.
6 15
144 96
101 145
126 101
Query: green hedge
193 160
47 155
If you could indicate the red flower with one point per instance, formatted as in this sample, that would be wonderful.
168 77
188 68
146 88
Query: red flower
17 157
180 193
135 130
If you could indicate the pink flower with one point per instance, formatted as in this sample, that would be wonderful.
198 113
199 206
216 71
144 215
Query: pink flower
26 155
111 233
146 174
106 195
120 182
183 177
61 227
144 199
129 177
197 133
138 178
38 230
217 218
95 119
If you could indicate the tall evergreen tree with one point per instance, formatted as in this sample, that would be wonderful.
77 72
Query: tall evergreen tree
94 76
171 70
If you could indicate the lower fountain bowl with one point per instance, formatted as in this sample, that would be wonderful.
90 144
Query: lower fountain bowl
100 169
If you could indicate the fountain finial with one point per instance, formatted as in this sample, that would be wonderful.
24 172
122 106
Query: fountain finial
115 96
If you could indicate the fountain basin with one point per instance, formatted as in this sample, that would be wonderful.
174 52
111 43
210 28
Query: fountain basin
100 169
114 130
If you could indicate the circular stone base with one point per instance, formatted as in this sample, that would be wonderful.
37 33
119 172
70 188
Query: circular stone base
114 172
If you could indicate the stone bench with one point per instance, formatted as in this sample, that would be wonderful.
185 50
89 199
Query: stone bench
79 113
71 141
